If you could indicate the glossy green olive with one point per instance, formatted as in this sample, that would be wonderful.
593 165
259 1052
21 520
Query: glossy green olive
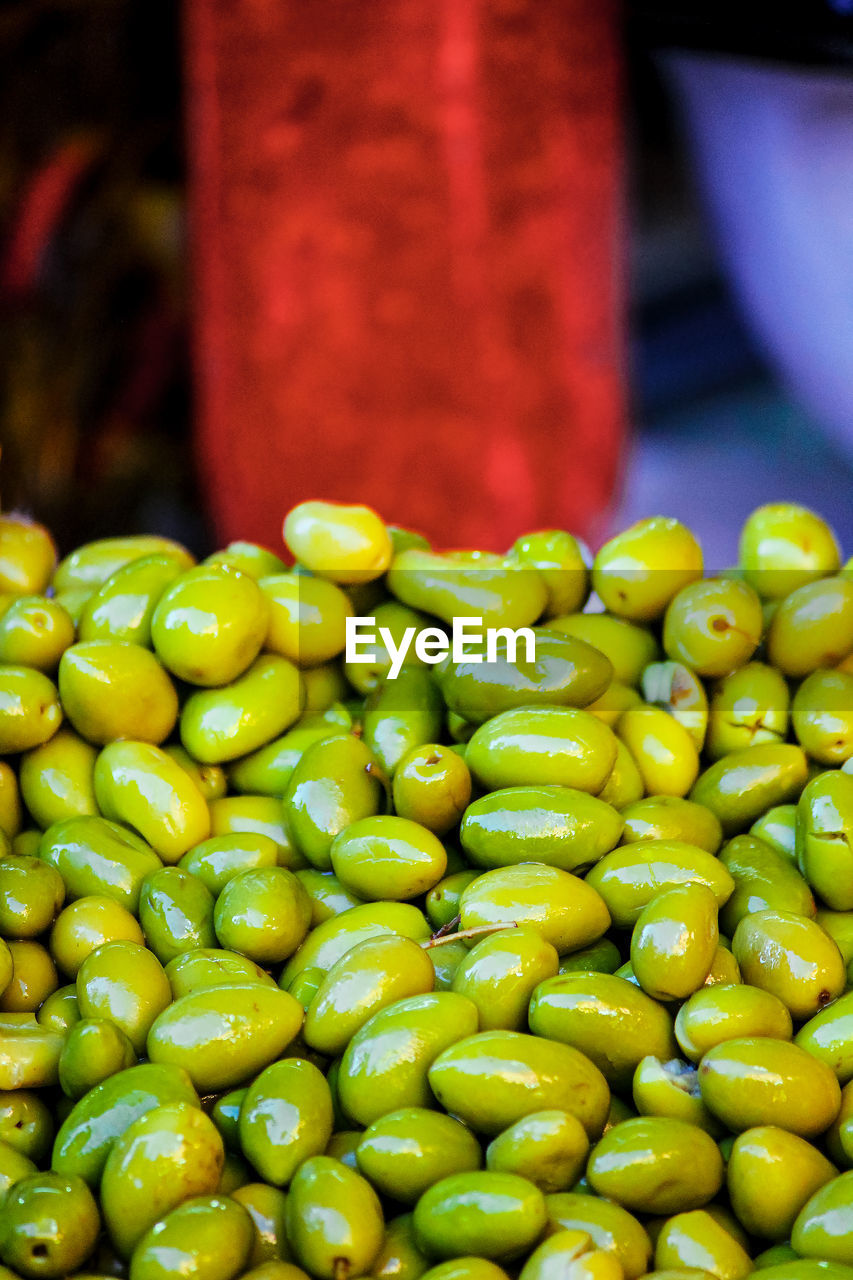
87 924
812 627
30 711
500 973
210 1237
323 686
770 1175
27 555
267 771
94 1049
822 713
744 784
405 1152
824 837
248 557
570 1254
49 1225
674 941
35 632
385 1065
608 1019
140 785
697 1240
334 784
500 592
29 1052
446 960
777 827
221 724
749 707
328 896
529 746
713 626
556 825
108 1110
625 783
256 815
209 778
285 1118
824 1226
57 779
828 1036
329 941
656 1165
25 1123
222 1035
792 957
333 1214
490 1214
494 1078
729 1011
263 913
225 1114
679 691
628 647
561 562
176 913
638 571
763 881
212 967
14 1166
387 858
609 1226
548 1147
402 714
670 1090
11 810
602 957
210 624
267 1207
671 818
784 545
125 983
839 926
632 875
307 617
336 541
111 690
565 910
749 1082
432 786
123 606
217 860
94 562
662 749
31 895
34 977
60 1010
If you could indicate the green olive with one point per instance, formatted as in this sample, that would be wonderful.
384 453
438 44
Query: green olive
334 1219
749 706
713 626
210 624
35 632
30 711
783 545
343 543
812 627
285 1118
490 1214
656 1165
792 957
674 941
638 572
405 1152
49 1225
728 1011
770 1175
112 691
750 1082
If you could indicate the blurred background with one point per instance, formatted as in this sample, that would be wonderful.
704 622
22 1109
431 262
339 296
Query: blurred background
486 264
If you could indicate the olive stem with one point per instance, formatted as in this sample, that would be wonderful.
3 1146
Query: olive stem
340 1269
450 927
478 932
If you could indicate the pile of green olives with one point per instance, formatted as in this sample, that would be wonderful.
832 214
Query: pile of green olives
323 960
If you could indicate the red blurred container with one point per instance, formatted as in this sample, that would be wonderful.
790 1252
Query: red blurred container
408 261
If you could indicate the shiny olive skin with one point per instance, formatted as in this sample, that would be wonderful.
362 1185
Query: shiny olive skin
329 897
31 895
93 563
206 1236
25 1123
402 714
263 913
729 1011
678 691
777 827
86 1136
267 1208
209 778
11 810
405 1152
333 1213
713 626
212 967
85 925
267 771
34 977
792 957
166 1156
385 1065
671 818
674 941
656 1165
307 617
822 713
432 786
629 648
609 1226
248 557
812 627
285 1118
625 784
502 593
549 1148
123 606
35 632
210 624
94 1049
839 926
565 910
221 724
608 1019
258 815
493 1078
697 1240
387 858
176 913
763 881
140 785
49 1225
784 545
615 700
333 938
564 671
824 1226
490 1214
529 746
662 748
345 543
57 779
30 710
602 957
561 562
770 1175
824 837
749 1082
60 1010
570 1255
501 971
221 1035
638 571
446 961
218 859
828 1036
670 1091
111 690
632 875
744 784
560 826
27 555
14 1166
334 784
126 984
748 707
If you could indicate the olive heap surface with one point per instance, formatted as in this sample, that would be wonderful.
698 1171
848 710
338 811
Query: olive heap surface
322 960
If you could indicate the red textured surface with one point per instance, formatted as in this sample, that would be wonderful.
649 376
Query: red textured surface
407 248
